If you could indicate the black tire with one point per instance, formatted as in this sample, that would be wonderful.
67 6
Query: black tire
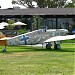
57 46
48 46
4 50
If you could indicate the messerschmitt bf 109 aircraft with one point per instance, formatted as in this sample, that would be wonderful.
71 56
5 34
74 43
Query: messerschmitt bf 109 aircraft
38 37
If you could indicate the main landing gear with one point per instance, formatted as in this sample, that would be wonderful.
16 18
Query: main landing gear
56 46
48 46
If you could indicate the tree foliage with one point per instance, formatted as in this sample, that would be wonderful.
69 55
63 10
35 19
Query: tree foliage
34 22
23 2
73 1
43 3
51 3
10 26
71 4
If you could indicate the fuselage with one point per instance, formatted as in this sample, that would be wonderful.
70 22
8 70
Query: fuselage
35 37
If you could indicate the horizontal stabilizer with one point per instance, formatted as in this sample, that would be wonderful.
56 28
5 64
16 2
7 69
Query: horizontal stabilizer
5 38
59 38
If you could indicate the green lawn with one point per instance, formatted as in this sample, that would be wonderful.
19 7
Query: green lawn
22 60
69 41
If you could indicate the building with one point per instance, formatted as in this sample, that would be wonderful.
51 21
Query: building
53 17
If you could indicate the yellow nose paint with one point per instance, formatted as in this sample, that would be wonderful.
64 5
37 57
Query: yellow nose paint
1 35
3 43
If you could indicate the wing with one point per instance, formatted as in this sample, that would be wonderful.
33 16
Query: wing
59 38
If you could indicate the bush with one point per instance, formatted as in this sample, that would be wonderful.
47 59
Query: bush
22 31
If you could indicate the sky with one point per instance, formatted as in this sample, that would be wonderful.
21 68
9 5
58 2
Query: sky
7 4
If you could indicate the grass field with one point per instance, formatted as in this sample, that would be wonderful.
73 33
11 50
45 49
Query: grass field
23 60
69 41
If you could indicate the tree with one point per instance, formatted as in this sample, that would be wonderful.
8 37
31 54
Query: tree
51 3
34 22
73 1
43 3
10 26
23 2
71 4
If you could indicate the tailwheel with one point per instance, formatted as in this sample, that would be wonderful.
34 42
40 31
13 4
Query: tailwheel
4 50
57 46
48 46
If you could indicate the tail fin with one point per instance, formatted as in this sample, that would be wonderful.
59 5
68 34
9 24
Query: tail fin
2 42
1 35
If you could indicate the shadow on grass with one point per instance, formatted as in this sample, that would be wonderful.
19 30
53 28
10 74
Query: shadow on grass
34 49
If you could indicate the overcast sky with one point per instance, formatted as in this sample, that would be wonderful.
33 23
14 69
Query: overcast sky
7 4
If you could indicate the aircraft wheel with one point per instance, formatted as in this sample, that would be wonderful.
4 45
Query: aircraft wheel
57 46
4 50
48 46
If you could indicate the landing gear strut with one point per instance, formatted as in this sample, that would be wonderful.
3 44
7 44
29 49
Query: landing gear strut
48 46
57 46
4 50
